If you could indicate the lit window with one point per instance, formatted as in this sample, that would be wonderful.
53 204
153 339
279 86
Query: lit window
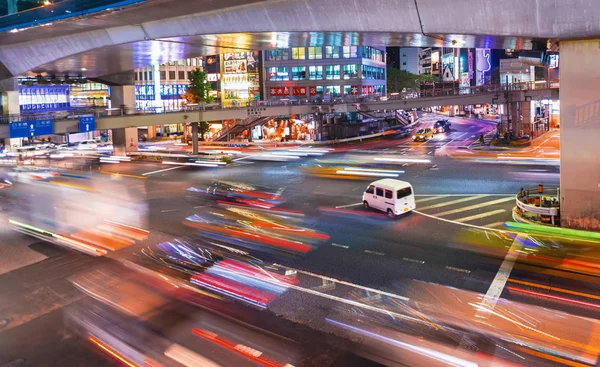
298 72
315 53
278 54
333 90
315 72
350 71
278 73
350 52
332 52
332 72
298 53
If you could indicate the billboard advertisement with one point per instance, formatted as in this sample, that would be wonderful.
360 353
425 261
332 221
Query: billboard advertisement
241 80
44 98
483 65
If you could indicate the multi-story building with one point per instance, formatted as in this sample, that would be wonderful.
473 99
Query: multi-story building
425 61
163 86
410 59
318 72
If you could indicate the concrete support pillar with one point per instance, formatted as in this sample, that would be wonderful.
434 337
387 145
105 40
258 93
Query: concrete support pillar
151 132
580 133
528 113
125 140
515 125
194 138
451 111
123 97
10 104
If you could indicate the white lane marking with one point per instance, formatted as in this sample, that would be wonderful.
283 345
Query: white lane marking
348 284
413 260
338 245
458 269
347 206
482 215
497 286
460 136
168 210
464 224
356 188
476 206
374 252
429 199
161 170
452 202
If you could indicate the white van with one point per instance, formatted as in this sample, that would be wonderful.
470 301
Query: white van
391 196
87 145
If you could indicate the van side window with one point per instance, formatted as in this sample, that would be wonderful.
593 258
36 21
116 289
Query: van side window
404 192
370 189
389 194
379 191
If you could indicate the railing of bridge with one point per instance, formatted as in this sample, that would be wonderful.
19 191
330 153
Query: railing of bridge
446 92
59 10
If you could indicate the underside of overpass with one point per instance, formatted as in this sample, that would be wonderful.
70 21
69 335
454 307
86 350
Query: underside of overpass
159 31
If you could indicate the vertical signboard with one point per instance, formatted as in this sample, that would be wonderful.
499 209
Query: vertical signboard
87 124
482 65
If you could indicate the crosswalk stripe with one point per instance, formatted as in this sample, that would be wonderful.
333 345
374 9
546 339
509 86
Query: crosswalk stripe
430 198
482 215
494 225
452 202
476 206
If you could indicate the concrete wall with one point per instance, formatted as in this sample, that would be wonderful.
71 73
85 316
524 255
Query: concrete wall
580 134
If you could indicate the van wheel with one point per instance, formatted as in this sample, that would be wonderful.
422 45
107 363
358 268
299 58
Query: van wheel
366 204
391 214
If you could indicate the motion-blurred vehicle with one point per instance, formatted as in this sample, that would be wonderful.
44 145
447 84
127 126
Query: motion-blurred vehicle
30 174
441 126
391 196
423 135
87 145
240 193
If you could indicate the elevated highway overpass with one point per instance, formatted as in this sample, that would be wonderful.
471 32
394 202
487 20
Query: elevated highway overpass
159 31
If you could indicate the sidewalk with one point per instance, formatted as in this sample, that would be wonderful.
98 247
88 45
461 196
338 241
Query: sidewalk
489 138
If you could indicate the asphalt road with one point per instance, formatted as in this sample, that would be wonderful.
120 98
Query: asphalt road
437 243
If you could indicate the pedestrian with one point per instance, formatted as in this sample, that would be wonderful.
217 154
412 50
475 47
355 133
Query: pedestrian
481 141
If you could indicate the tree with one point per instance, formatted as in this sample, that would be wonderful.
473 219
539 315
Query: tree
399 80
199 89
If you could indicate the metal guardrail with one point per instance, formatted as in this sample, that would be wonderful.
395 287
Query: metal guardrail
125 111
542 201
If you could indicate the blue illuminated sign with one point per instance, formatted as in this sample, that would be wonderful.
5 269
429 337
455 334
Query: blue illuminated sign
87 123
44 98
24 129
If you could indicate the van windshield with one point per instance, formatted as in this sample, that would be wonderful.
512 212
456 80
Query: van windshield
404 192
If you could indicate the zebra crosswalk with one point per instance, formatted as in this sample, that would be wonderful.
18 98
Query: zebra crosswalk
488 210
487 139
